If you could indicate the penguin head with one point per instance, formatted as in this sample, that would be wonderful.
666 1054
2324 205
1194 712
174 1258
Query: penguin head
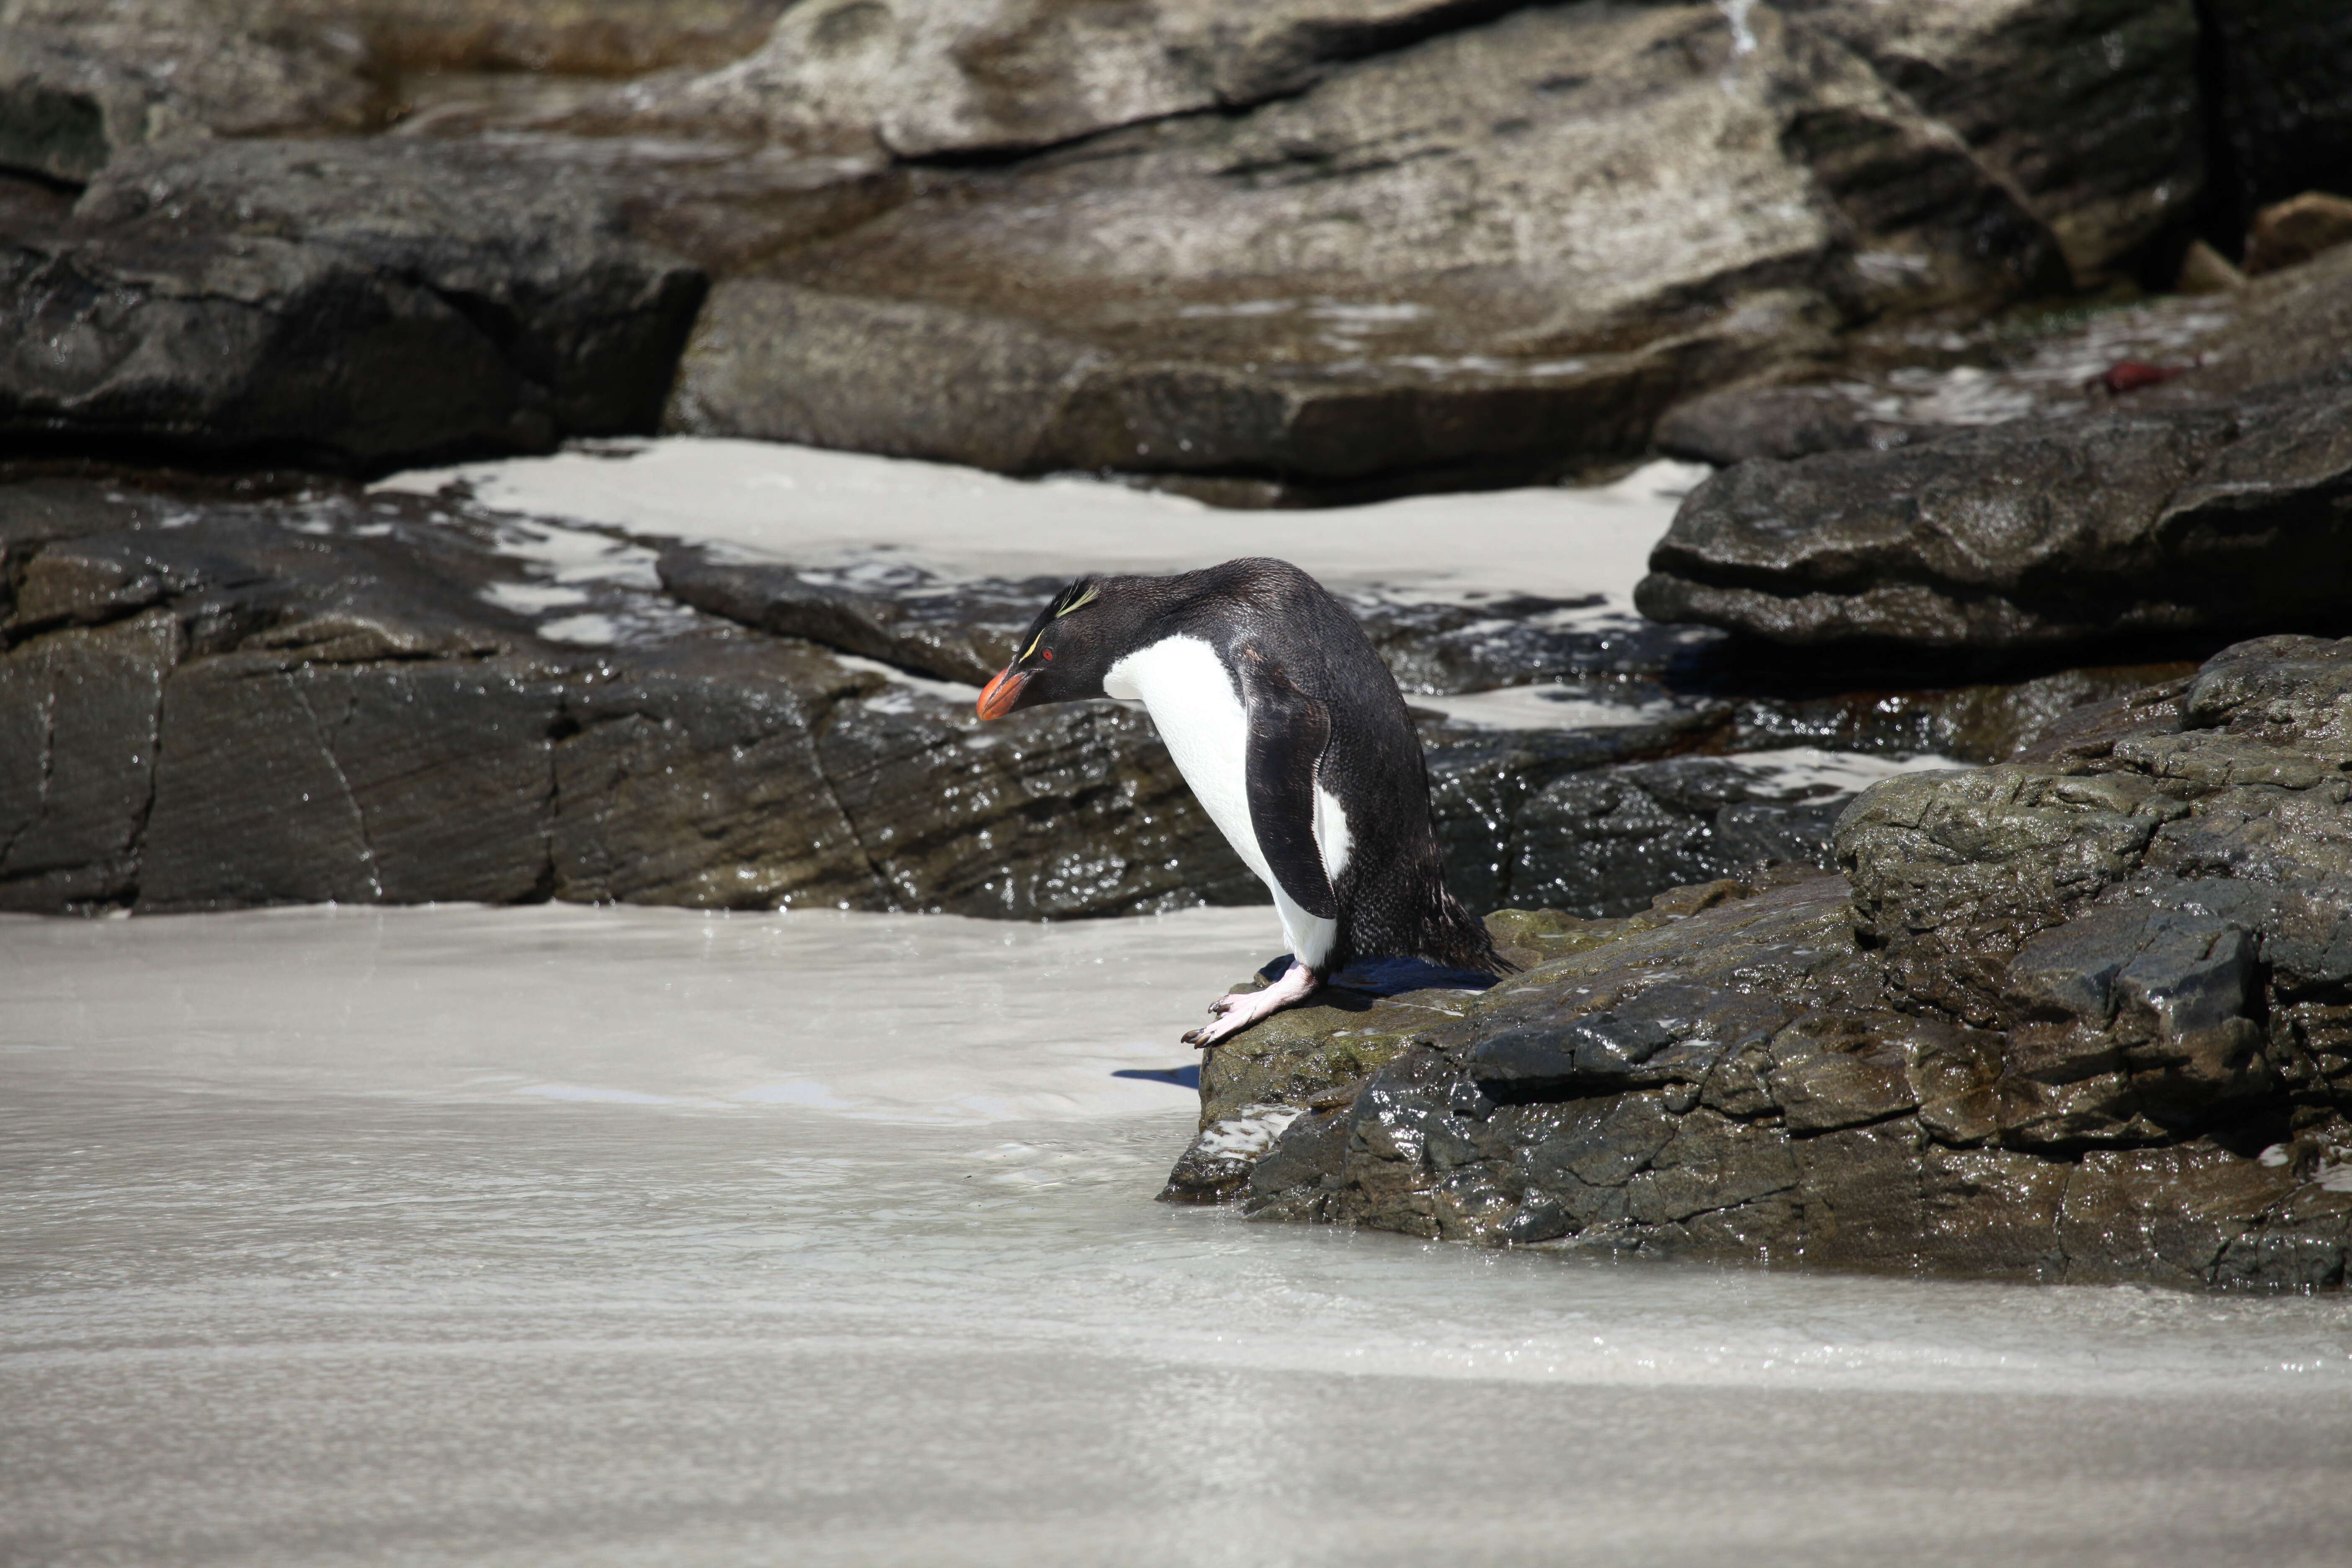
1063 655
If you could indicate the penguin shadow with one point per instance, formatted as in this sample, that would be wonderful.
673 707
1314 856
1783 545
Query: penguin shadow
1351 990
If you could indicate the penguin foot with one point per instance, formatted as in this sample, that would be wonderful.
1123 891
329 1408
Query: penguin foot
1232 1014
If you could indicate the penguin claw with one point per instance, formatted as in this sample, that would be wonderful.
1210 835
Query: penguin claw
1236 1011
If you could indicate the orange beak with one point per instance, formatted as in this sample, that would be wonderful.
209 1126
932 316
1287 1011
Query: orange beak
997 697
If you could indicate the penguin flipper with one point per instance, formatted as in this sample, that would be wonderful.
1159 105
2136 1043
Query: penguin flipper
1288 733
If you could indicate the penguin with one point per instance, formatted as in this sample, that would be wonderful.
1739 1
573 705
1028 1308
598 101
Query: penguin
1294 738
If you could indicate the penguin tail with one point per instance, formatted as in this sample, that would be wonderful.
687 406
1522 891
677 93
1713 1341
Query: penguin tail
1457 938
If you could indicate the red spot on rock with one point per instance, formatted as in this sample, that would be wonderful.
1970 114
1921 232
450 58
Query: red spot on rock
2131 374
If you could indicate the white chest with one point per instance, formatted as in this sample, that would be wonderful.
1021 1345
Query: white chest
1192 698
1199 715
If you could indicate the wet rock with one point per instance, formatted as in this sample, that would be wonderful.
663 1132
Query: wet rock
349 303
1205 295
1219 1161
1520 829
2211 518
2080 1016
212 703
1990 721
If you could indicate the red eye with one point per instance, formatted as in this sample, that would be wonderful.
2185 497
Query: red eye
1049 656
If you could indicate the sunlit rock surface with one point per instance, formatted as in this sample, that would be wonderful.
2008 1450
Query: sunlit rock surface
1320 252
2079 1016
1502 249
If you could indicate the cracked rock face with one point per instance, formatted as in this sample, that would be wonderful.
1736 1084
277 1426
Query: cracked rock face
1502 249
212 702
2227 517
2078 1017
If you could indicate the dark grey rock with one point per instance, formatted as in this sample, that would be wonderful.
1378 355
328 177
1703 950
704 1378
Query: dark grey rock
352 303
1531 820
2032 535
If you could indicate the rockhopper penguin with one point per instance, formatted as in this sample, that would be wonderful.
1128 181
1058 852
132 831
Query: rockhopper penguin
1294 737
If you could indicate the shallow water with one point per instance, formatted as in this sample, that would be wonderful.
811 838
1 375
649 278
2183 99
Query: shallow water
566 1235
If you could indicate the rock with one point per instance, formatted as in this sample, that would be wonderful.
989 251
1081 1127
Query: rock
1987 723
2292 232
208 702
387 37
2214 801
1520 829
586 37
1237 295
902 615
2205 270
2077 1017
1739 423
2213 518
73 97
2089 108
353 304
2283 68
1896 384
923 78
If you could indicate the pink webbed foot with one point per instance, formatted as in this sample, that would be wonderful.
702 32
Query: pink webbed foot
1236 1012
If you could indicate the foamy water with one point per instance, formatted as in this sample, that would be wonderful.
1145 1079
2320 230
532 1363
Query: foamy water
562 1234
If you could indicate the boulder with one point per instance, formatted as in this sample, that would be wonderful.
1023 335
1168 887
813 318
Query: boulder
350 304
583 37
925 77
96 81
2074 1018
1555 819
1495 253
2089 109
2223 516
2294 231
